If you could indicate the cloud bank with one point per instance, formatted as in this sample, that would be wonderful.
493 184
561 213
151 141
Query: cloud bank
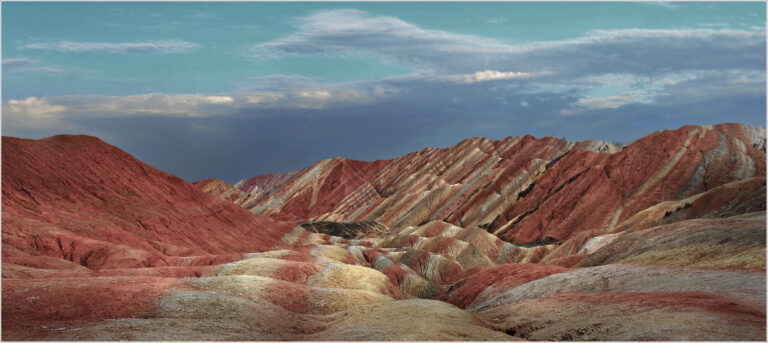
487 75
148 47
606 51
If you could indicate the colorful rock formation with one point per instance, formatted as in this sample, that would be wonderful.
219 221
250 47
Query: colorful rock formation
523 189
629 302
99 246
353 230
522 238
74 201
222 190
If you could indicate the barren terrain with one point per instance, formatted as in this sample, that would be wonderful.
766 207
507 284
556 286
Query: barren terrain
519 239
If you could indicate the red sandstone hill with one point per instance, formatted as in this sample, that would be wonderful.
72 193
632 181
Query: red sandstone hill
690 267
222 190
72 201
263 183
526 189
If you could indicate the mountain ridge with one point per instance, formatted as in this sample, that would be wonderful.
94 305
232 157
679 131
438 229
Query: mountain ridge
552 170
99 199
98 245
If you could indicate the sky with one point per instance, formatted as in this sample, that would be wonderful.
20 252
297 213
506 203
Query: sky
234 90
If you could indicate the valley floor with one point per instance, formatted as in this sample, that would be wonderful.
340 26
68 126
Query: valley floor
433 282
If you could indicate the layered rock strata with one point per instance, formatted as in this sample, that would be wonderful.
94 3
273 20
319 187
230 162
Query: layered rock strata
522 238
523 189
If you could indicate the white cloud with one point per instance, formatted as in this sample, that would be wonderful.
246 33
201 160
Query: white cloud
173 105
264 98
747 77
630 89
346 30
157 47
275 83
665 4
10 62
342 94
744 79
635 50
32 113
486 75
219 99
497 20
700 33
28 65
612 102
53 112
322 95
314 99
34 107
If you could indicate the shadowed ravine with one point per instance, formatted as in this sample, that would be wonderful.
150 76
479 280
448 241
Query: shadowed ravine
522 238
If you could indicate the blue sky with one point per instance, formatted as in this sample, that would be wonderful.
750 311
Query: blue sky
232 90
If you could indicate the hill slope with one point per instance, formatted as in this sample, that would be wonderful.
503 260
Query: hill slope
665 241
78 199
522 189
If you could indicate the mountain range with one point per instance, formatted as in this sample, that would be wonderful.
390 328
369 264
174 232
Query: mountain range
520 238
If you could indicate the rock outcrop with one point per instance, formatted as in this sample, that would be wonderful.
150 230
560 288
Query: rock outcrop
71 201
629 302
222 190
523 189
737 241
100 246
261 184
522 238
353 230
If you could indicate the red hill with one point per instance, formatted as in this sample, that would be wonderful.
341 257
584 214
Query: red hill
522 189
82 200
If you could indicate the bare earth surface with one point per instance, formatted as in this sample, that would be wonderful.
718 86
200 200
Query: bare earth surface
518 239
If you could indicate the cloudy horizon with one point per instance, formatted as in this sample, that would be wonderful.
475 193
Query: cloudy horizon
234 90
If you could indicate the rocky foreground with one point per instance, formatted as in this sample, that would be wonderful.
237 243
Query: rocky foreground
523 238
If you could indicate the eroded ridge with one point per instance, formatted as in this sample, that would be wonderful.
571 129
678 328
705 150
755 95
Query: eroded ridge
523 238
